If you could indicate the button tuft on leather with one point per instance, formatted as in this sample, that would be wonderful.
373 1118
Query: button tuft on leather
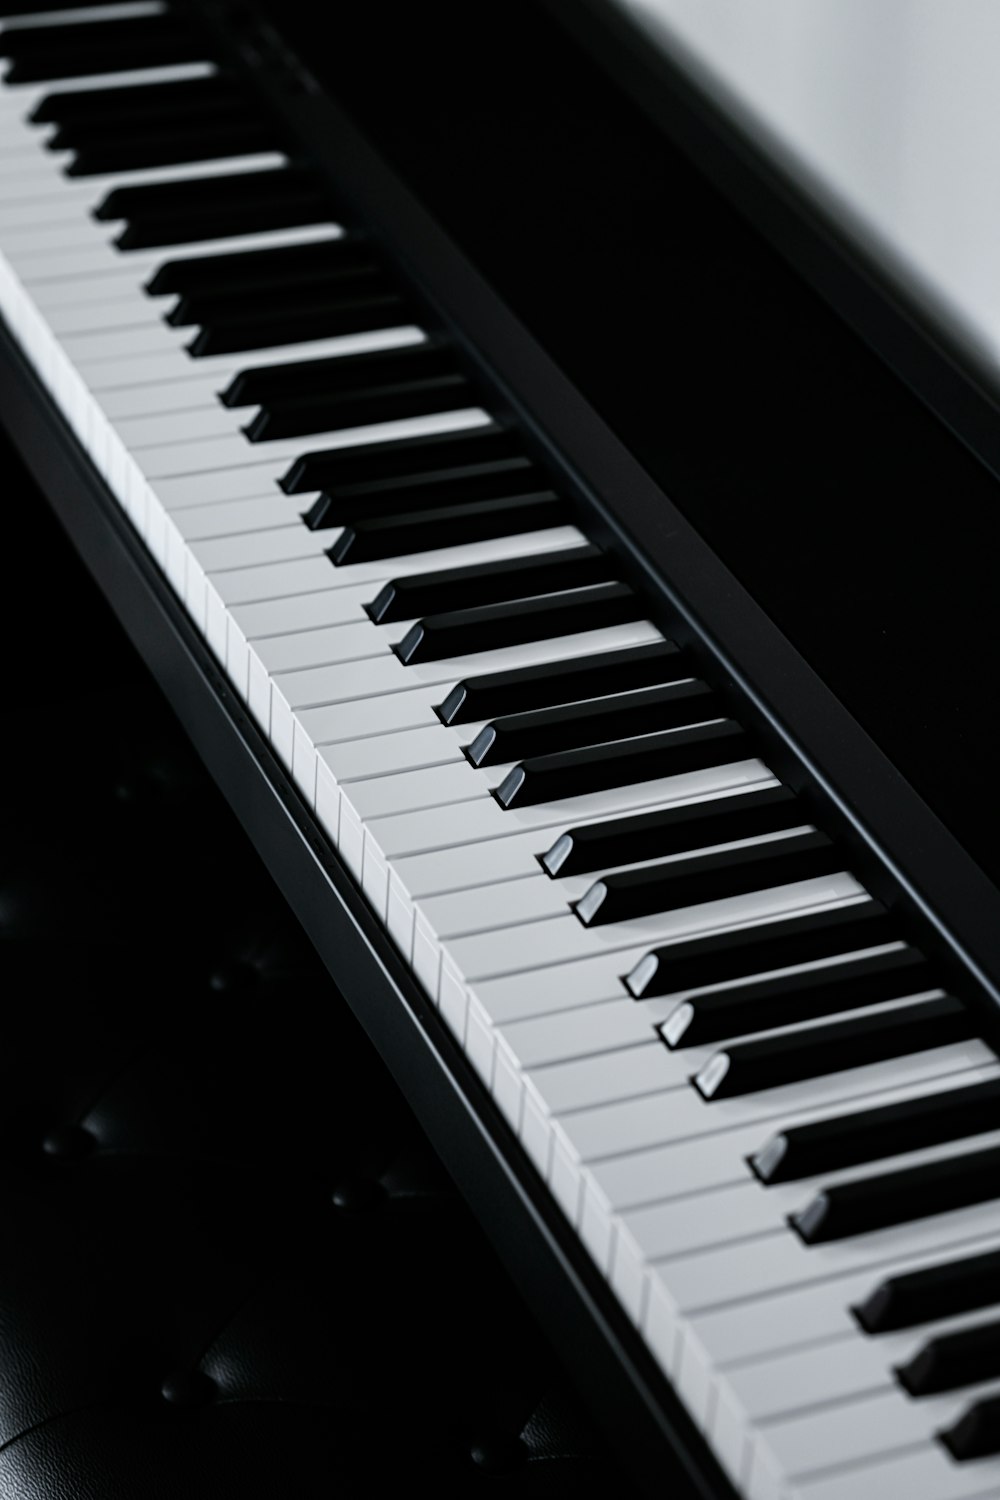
188 1388
497 1453
233 978
357 1195
68 1143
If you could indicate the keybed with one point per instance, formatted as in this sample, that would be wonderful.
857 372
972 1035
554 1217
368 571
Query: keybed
773 1127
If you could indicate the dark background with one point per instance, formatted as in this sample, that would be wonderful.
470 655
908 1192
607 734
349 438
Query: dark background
861 525
232 1266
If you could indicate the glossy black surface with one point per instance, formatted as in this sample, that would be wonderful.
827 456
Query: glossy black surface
689 881
560 682
880 1201
573 773
572 725
939 1291
756 950
787 999
870 1134
672 830
206 1212
447 526
791 1056
860 524
449 589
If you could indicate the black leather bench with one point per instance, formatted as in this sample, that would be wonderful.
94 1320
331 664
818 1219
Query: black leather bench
230 1265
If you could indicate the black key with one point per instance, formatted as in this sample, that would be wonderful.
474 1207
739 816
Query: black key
332 317
573 773
290 295
871 1134
976 1434
675 830
123 114
247 270
171 213
560 682
339 376
494 626
801 855
679 967
377 463
75 50
787 999
136 103
790 1057
394 497
35 7
150 201
118 151
447 526
544 731
487 583
379 403
958 1286
955 1359
83 134
938 1187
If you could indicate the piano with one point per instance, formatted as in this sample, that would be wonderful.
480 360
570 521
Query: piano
569 553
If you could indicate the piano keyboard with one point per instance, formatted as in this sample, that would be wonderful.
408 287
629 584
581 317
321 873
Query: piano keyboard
775 1132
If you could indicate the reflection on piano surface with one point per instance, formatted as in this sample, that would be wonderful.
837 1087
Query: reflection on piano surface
767 1109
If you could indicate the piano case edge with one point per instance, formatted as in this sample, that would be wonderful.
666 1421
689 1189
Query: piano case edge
623 1387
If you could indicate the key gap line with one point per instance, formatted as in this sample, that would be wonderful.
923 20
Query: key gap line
764 1120
636 942
702 1309
867 1461
830 1403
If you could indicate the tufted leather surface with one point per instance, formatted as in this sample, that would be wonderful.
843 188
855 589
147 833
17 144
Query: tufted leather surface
230 1265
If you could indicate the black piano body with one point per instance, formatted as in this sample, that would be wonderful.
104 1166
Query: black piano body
767 439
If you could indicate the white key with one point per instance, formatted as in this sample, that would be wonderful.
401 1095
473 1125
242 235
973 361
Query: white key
564 939
219 555
678 1112
136 268
23 96
384 842
818 1312
301 612
338 683
866 1429
603 1107
386 675
742 1209
652 1174
466 867
926 1472
88 270
678 1334
574 1115
713 1277
29 195
180 457
242 518
129 10
461 912
170 364
273 582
